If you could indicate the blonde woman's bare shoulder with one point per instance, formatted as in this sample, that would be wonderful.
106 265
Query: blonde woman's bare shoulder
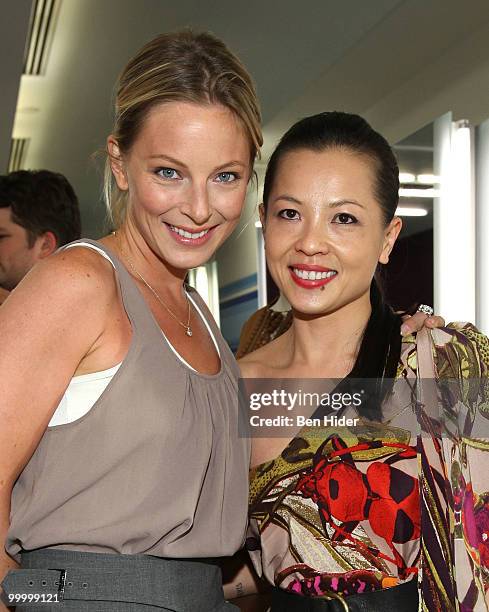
78 267
52 321
83 259
68 282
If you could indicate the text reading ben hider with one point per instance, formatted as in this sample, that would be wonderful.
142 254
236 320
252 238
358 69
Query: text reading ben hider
299 420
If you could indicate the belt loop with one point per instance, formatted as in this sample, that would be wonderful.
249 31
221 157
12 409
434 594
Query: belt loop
62 581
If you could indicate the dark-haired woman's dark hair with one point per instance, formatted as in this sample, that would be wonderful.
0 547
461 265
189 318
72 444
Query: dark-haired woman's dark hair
335 130
379 351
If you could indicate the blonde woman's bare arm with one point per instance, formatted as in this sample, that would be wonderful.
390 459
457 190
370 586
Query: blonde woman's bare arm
47 327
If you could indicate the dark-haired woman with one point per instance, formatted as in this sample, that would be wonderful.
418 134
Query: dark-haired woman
350 517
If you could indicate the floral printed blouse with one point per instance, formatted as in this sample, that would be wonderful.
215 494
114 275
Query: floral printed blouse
345 512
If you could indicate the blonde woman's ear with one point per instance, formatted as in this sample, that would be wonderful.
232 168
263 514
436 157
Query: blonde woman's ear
117 163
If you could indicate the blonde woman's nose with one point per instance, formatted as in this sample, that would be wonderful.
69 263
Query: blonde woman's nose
198 207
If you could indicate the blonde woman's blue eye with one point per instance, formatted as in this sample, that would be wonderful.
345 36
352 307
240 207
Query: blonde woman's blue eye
167 173
226 177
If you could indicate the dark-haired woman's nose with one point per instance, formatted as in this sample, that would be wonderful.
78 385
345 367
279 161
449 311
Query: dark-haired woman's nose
313 239
197 207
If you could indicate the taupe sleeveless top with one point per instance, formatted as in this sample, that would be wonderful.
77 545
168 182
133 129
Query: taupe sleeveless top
155 467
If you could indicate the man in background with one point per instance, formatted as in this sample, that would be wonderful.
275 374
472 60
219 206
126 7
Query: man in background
38 213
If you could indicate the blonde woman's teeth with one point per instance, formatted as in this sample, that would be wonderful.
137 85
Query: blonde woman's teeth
311 275
186 234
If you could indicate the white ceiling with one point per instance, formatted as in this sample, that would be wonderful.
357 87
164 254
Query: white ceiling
306 57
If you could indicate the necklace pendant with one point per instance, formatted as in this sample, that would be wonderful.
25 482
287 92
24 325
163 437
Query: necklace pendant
189 331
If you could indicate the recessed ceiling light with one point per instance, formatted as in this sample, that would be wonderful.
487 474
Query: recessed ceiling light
403 211
405 192
406 177
427 179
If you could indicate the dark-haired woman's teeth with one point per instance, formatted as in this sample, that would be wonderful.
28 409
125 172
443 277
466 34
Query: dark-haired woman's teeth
185 234
312 275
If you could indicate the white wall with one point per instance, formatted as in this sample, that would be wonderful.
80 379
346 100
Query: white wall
482 226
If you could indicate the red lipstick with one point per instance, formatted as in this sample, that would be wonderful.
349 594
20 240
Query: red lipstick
309 283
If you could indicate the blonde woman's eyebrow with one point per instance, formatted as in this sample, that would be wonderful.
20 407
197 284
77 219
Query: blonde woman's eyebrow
177 162
231 164
171 160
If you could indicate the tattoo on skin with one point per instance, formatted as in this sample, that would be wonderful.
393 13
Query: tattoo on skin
239 589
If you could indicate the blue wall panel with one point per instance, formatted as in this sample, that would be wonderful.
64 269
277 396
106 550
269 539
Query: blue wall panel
238 301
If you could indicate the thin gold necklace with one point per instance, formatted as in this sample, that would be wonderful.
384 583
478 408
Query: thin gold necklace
186 326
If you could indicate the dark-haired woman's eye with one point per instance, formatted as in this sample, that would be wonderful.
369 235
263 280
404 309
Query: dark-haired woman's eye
344 219
289 213
167 173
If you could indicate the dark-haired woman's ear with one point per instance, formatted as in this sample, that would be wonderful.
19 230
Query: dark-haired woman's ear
116 163
390 237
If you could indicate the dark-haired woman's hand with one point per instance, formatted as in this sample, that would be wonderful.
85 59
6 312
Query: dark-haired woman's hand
419 320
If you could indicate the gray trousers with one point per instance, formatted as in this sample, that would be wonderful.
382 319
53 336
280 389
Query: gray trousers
72 581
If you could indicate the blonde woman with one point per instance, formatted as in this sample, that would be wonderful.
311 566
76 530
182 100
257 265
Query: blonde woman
118 464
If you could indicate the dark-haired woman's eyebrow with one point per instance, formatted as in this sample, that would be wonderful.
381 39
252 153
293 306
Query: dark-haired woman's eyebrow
287 198
336 203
